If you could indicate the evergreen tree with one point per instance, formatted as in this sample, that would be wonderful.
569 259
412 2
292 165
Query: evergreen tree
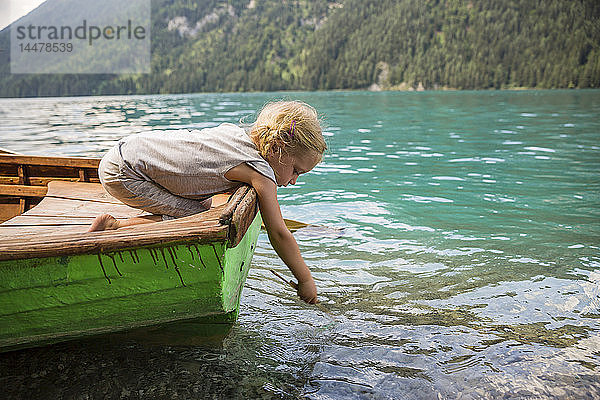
244 45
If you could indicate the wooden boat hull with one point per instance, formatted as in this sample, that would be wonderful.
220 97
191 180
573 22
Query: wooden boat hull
56 298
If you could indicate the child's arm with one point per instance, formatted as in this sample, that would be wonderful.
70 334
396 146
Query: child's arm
283 241
279 235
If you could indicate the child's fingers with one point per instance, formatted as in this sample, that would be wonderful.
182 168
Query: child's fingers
309 300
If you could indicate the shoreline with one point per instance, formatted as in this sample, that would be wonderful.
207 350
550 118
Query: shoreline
366 90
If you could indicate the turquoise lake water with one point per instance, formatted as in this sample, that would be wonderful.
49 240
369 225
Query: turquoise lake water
468 264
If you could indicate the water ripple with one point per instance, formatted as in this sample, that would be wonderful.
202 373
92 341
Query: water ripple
464 261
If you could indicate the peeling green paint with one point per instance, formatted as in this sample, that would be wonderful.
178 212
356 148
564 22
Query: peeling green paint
56 298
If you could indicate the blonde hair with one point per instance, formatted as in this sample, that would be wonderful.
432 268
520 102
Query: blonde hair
290 126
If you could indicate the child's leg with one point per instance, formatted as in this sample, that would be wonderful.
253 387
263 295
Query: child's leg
108 222
141 194
150 197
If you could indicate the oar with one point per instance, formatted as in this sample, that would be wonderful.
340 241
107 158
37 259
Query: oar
294 285
311 230
292 225
7 151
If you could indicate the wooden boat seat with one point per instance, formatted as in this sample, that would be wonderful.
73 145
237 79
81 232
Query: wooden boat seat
58 224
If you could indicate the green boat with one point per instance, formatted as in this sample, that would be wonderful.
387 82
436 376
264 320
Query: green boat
58 282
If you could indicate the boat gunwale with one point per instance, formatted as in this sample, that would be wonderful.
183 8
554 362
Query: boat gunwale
69 162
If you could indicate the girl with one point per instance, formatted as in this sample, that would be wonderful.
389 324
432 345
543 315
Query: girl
174 175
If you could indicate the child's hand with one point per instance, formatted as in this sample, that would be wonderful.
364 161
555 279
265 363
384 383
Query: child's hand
307 291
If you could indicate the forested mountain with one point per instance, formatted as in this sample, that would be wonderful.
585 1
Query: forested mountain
264 45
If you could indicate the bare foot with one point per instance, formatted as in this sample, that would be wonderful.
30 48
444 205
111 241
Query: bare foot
104 222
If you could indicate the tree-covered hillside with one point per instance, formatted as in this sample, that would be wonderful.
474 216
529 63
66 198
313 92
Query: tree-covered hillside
262 45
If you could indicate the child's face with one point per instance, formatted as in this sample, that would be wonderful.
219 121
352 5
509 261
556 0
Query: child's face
287 168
